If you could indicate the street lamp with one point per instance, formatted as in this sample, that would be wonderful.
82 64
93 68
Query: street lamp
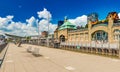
48 31
38 32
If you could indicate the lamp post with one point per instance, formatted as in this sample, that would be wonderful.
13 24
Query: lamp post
48 32
38 33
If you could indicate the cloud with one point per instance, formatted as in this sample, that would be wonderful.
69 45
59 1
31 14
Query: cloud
119 15
30 27
44 14
78 21
7 25
31 21
44 23
5 21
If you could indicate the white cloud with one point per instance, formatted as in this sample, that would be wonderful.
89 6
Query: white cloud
119 15
78 21
52 28
44 14
9 17
45 23
5 21
31 21
21 29
7 25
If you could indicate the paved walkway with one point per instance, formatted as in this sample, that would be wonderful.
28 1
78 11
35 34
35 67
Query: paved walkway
55 60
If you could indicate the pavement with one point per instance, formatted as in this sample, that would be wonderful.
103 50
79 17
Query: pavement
18 59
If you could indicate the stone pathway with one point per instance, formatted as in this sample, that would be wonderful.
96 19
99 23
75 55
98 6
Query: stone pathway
55 60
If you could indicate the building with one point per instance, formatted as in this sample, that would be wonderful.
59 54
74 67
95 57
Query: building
107 30
2 39
44 34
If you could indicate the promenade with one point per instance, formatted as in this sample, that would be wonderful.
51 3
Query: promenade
18 59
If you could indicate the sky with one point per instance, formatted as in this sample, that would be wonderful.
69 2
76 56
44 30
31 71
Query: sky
22 17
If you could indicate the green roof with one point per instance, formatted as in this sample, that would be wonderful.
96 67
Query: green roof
68 25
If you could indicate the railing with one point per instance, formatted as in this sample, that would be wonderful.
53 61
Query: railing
95 47
2 46
101 48
93 44
3 50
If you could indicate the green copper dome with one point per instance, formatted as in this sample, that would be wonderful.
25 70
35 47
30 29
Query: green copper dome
68 25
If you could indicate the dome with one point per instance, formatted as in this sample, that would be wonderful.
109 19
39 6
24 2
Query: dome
67 25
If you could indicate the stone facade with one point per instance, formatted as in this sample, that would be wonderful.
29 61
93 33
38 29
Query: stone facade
110 31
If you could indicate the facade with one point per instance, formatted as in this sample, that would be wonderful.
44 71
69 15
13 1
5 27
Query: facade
107 30
41 41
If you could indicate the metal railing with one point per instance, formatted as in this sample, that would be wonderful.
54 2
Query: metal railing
3 50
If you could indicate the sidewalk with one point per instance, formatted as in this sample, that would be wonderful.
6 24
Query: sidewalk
55 60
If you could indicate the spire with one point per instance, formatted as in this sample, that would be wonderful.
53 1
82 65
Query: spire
65 19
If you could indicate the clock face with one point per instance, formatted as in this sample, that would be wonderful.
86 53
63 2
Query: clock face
93 17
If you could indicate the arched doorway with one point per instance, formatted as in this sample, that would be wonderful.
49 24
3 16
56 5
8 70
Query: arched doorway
62 38
100 35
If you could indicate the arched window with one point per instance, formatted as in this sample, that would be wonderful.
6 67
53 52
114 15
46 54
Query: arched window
100 35
116 34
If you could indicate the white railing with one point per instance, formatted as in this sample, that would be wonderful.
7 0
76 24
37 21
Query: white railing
92 44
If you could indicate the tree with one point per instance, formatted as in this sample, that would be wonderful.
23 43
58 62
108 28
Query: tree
28 38
81 27
78 27
86 26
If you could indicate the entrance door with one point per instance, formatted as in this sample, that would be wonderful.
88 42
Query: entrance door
62 38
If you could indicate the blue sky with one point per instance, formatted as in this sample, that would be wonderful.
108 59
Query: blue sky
17 15
24 9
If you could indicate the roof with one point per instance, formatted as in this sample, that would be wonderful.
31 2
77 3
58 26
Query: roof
68 25
13 36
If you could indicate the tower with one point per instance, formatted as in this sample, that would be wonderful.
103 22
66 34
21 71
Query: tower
89 30
110 25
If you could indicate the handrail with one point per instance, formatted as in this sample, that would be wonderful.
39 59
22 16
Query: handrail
3 53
